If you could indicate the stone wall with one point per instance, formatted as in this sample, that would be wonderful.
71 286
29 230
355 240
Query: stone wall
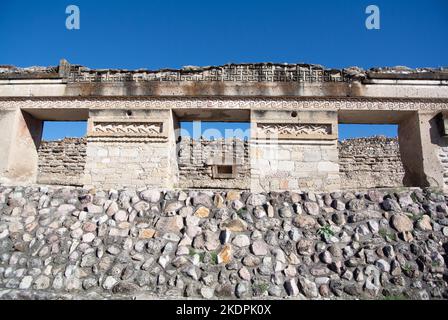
363 162
118 164
443 157
197 158
62 161
294 150
370 162
285 166
131 149
71 242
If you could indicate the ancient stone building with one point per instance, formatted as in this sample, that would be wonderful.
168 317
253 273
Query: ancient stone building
293 110
126 234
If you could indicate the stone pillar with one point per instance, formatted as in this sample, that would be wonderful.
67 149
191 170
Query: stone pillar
424 151
132 148
294 150
20 135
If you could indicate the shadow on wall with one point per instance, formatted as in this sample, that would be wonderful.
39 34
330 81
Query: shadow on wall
35 127
437 131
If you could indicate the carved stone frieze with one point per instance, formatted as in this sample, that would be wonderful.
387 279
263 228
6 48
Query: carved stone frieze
261 72
225 103
126 131
293 129
127 128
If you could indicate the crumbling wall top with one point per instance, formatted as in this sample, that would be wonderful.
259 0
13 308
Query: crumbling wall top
243 72
34 72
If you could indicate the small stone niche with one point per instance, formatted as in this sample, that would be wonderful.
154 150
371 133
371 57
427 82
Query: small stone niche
224 171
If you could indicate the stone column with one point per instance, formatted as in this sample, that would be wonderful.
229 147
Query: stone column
294 150
424 151
20 135
132 148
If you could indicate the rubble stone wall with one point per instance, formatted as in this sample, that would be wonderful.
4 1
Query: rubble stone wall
70 242
370 162
62 162
197 157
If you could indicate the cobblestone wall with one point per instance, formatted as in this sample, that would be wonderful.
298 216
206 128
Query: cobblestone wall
62 161
370 162
75 242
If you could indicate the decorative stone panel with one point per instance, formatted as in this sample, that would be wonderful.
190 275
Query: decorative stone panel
257 103
295 130
259 72
127 128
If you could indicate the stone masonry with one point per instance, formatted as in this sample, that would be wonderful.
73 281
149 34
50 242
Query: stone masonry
71 242
130 150
294 111
199 161
370 162
62 162
155 217
294 151
363 162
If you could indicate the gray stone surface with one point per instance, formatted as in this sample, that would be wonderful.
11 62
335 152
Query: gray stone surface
370 162
51 250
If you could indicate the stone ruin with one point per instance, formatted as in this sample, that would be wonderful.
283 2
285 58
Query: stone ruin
134 209
293 110
372 162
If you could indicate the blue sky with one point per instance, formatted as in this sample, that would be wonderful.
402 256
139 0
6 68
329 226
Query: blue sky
165 33
58 130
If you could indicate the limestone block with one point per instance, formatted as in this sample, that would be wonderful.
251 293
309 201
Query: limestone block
312 155
286 165
327 166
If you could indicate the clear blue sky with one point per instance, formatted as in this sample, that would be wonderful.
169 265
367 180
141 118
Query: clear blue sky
164 33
